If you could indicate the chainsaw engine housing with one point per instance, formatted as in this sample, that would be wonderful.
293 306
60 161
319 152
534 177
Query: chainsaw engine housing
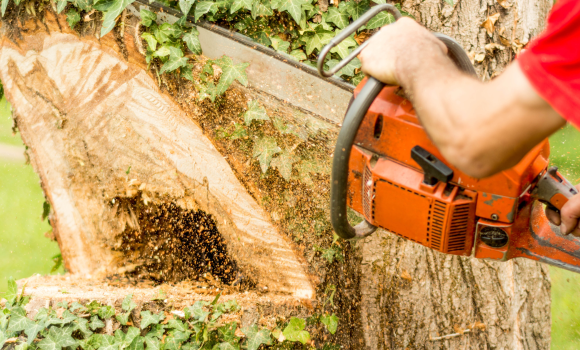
461 216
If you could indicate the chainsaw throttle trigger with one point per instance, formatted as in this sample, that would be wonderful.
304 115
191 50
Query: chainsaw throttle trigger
553 189
434 169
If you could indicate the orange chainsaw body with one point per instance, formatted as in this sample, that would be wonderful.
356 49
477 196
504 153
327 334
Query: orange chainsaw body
386 186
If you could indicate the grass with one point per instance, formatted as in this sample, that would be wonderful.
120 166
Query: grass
25 251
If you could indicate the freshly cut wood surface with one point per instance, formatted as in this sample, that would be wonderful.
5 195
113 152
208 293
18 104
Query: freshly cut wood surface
98 128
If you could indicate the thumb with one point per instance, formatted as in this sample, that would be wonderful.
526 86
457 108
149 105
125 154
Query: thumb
569 215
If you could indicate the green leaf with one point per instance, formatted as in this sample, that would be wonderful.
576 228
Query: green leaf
60 5
293 7
337 17
450 2
347 70
284 164
204 7
137 344
280 45
3 338
170 31
294 331
331 322
106 311
209 91
185 6
173 64
108 343
264 149
72 17
256 337
343 49
356 9
132 334
83 326
147 18
226 346
298 55
4 6
18 323
56 339
231 72
150 39
261 8
197 311
163 51
84 5
12 292
239 132
152 343
96 323
147 318
186 72
316 39
381 19
191 39
177 324
227 332
21 346
238 4
357 78
111 15
123 318
255 112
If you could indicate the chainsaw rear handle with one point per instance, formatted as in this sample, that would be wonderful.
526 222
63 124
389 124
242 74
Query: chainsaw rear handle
353 119
455 51
553 189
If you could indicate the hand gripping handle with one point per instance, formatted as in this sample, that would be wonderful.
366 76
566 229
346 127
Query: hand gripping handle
355 115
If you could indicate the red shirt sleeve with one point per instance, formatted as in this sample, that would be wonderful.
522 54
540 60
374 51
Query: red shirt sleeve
552 61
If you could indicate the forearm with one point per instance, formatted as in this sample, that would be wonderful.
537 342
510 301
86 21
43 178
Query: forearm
481 128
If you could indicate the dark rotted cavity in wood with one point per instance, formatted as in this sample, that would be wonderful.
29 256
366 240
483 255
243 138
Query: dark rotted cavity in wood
171 244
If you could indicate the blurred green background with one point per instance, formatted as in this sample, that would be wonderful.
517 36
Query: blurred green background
25 251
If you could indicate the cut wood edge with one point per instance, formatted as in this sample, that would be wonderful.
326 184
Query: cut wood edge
115 114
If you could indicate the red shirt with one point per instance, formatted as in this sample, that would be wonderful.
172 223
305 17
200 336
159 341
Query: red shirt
551 62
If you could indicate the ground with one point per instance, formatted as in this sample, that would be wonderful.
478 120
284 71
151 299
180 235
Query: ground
26 251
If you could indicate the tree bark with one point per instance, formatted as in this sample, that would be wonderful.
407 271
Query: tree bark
118 150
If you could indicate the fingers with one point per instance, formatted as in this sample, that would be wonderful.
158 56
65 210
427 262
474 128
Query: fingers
553 216
569 215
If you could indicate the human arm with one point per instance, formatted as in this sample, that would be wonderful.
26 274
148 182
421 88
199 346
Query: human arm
481 128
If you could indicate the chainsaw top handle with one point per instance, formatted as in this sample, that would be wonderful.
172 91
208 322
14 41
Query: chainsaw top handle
355 114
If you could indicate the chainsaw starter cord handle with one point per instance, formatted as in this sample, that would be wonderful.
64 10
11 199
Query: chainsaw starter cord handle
339 177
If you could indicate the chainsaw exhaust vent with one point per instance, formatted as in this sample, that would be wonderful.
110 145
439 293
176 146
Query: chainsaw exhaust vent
437 224
458 228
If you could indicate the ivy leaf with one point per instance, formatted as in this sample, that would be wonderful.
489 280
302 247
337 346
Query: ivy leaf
284 164
238 4
112 13
96 323
147 17
60 5
280 45
123 318
255 112
185 6
72 17
191 39
356 9
298 55
186 72
331 322
307 167
226 346
294 331
137 344
147 318
342 49
173 64
106 312
12 292
209 91
239 132
170 343
18 323
170 31
256 337
293 7
347 70
128 304
108 343
3 336
264 149
83 326
163 51
261 8
197 311
337 17
176 324
132 334
357 78
381 19
152 343
56 339
204 7
316 39
231 72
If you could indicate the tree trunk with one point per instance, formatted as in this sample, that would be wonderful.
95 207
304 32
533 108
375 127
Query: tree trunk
141 183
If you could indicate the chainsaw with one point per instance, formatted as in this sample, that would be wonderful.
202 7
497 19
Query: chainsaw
386 168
